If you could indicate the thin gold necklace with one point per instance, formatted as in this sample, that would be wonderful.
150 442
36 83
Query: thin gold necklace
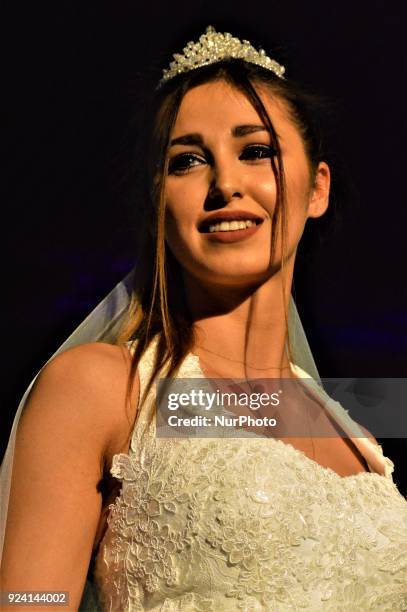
241 362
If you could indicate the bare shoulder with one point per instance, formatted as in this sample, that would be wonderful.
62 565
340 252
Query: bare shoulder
84 388
87 361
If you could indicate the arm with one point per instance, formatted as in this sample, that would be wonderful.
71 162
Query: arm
74 417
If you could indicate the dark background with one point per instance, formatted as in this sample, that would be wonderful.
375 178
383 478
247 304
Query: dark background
73 76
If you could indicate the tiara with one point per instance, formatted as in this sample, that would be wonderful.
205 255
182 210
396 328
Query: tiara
214 47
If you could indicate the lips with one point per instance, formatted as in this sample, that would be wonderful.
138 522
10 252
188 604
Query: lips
230 215
228 237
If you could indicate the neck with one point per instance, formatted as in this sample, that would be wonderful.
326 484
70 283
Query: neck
241 330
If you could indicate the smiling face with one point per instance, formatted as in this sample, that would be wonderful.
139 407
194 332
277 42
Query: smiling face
220 171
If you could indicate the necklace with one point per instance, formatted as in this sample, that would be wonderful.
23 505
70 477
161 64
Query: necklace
241 362
256 388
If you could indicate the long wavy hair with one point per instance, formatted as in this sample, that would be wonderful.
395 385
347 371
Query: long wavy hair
158 310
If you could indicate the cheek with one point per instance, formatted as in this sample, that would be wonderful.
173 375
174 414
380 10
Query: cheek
176 238
298 191
178 224
180 218
174 234
176 211
182 201
264 191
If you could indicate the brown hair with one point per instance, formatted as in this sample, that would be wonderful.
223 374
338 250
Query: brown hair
158 307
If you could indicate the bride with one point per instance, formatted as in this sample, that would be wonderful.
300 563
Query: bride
232 174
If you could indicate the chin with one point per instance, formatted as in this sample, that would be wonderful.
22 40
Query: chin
238 278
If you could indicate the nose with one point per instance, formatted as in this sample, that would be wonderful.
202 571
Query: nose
226 182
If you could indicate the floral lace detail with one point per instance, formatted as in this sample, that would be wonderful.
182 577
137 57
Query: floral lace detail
251 525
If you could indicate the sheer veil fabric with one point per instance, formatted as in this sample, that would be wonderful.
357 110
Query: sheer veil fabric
102 325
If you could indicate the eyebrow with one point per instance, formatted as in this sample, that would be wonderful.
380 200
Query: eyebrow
237 132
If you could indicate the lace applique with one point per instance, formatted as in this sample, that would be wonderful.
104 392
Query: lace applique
251 525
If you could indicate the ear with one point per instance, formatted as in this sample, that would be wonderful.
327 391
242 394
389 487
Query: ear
319 197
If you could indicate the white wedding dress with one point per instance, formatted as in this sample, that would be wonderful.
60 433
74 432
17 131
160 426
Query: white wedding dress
248 524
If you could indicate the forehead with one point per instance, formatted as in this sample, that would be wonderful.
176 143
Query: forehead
219 105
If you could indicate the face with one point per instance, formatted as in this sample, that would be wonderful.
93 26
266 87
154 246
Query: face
221 190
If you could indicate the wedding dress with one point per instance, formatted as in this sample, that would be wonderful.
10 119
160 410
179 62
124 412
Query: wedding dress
239 524
249 524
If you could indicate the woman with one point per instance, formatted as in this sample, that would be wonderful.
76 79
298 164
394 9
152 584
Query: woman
233 173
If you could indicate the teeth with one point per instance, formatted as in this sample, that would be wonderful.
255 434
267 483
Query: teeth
228 226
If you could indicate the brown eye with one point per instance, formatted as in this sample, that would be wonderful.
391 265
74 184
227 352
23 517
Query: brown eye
181 164
254 152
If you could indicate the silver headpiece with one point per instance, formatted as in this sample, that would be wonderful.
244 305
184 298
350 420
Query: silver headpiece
214 47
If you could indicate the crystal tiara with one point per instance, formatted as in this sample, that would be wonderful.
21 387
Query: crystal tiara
214 47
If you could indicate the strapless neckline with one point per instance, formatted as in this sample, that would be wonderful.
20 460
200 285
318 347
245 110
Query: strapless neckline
377 463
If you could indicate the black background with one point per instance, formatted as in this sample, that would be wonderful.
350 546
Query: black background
73 75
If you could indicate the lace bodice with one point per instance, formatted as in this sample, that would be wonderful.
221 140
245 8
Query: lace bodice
246 524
